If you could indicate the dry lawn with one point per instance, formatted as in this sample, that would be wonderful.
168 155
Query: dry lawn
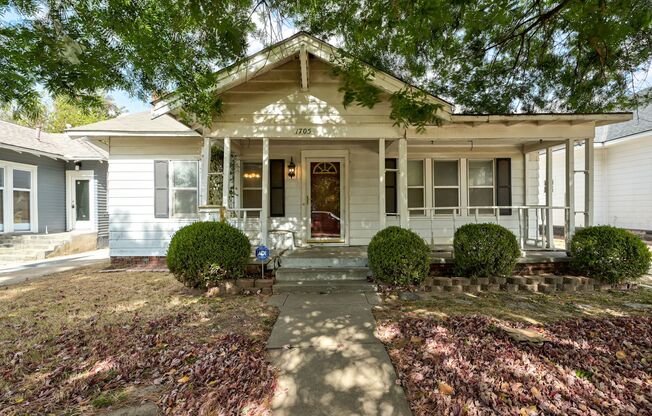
88 342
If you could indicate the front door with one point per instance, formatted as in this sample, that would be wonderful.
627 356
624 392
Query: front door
326 193
80 191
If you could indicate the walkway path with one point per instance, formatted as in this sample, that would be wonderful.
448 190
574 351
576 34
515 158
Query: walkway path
18 273
330 361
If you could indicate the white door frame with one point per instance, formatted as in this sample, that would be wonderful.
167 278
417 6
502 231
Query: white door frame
71 221
8 196
342 156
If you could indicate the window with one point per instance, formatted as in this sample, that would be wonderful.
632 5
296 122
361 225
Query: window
2 199
416 187
391 194
215 172
22 184
252 187
183 187
175 188
504 184
481 185
446 185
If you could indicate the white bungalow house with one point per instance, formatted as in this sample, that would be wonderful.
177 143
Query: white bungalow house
300 169
623 174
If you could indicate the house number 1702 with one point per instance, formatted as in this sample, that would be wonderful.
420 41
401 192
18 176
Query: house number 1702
303 131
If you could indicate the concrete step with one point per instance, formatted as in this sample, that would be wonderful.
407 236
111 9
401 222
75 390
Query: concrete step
287 274
297 262
324 286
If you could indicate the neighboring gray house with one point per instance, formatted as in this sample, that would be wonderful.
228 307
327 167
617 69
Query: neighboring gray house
623 174
50 184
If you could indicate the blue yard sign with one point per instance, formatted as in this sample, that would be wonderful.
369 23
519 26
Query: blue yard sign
262 253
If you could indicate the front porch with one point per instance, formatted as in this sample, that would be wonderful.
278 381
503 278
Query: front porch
431 187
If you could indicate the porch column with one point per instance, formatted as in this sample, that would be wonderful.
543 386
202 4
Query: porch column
403 213
588 182
226 173
549 215
570 190
205 166
381 184
264 212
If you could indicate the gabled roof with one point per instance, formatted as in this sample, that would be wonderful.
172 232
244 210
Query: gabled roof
640 123
134 124
280 53
56 145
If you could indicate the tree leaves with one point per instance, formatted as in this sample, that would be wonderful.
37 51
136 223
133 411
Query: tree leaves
469 365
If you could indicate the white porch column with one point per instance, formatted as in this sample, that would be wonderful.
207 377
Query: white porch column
403 212
382 219
264 212
588 182
205 166
226 173
549 215
570 189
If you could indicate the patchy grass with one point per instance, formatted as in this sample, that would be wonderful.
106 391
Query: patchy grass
506 354
84 341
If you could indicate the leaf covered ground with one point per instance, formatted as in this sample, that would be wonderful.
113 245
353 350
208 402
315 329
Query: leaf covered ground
582 354
88 342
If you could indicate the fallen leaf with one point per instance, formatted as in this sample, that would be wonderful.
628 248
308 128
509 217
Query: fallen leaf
445 389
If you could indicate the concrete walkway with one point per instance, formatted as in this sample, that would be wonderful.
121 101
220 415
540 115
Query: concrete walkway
18 273
330 361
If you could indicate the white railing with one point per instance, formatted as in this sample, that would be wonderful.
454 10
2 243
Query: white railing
536 218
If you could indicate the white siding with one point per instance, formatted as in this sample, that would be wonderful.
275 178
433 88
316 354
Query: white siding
623 184
133 230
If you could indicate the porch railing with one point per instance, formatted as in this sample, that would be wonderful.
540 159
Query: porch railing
534 228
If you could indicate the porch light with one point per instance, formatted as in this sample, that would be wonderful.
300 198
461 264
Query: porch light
251 175
291 169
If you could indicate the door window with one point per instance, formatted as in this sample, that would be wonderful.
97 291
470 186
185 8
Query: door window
82 199
325 200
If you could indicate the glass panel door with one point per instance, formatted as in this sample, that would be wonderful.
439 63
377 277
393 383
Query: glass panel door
22 183
82 199
325 200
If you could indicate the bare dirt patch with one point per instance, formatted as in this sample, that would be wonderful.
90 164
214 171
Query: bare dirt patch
89 342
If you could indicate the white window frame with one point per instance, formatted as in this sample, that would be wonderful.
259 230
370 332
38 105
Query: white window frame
424 187
172 188
458 187
9 168
472 209
244 188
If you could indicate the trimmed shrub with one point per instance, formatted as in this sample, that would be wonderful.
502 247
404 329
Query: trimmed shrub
608 253
485 250
398 256
206 252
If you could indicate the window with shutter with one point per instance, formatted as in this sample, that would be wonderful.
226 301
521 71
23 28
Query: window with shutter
391 205
161 189
504 184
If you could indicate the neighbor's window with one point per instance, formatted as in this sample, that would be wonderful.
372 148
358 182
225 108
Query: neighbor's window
22 198
183 187
481 185
416 186
391 187
446 185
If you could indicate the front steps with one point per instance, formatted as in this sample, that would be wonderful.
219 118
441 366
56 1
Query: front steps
323 270
21 248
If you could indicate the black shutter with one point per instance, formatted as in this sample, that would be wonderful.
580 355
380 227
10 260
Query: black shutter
390 188
504 184
277 188
161 191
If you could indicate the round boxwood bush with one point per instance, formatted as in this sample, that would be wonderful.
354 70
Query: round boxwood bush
205 252
608 253
398 256
485 250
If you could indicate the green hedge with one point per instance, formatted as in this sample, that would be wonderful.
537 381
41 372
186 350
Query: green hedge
608 253
398 256
485 250
205 252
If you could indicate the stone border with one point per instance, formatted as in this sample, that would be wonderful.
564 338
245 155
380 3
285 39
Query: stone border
533 284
